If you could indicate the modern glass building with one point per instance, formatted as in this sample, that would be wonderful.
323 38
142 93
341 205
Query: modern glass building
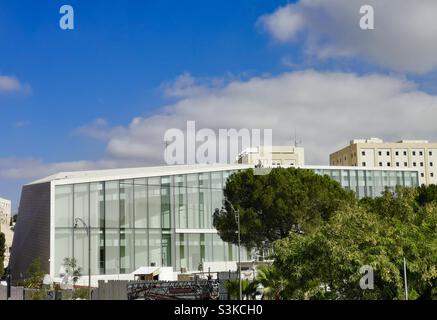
368 182
139 217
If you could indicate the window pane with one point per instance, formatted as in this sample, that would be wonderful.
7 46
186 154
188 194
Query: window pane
218 248
205 210
166 250
235 252
216 190
141 248
193 201
64 206
97 205
208 247
155 247
165 202
81 249
112 208
140 203
102 251
112 248
126 203
96 234
180 202
81 204
193 251
126 251
154 203
63 248
181 253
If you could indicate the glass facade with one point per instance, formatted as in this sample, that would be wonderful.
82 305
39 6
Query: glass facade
165 221
371 183
141 222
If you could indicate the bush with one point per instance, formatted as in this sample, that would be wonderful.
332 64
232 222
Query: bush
80 293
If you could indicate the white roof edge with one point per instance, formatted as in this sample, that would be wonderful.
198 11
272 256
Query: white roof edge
134 172
5 200
355 168
155 171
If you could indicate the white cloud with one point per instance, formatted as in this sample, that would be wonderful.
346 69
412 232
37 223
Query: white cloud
11 84
30 168
404 38
185 85
284 24
327 109
99 129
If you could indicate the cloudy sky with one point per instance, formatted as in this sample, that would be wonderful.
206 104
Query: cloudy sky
103 95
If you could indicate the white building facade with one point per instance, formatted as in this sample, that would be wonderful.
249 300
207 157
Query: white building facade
420 155
5 227
273 156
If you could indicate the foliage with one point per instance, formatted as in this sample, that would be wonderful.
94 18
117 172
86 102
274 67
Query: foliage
248 288
380 232
35 275
273 282
81 293
2 252
39 294
72 269
427 194
272 205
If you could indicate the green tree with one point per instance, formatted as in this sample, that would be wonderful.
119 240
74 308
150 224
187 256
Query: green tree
378 233
272 205
72 269
427 194
35 275
2 252
272 281
248 288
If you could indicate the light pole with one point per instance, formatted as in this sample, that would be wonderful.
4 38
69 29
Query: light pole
237 220
88 232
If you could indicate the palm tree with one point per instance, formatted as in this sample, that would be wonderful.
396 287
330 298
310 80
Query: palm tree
248 288
233 288
272 281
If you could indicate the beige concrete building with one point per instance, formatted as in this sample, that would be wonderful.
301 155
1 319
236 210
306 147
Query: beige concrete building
5 221
273 156
416 154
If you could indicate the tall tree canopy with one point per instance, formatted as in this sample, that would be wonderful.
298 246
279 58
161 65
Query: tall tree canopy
272 205
378 233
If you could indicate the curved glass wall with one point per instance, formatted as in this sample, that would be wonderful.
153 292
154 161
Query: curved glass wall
140 222
165 221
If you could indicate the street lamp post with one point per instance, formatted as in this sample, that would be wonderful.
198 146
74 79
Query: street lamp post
237 220
88 232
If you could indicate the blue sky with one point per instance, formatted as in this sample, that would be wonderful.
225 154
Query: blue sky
121 55
114 61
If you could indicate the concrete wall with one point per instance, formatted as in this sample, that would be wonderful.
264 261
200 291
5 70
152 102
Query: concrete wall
16 293
5 228
111 290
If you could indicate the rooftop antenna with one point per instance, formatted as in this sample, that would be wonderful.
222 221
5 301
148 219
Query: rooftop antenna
296 141
166 149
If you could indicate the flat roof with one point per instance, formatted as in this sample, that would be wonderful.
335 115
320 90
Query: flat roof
157 171
138 172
